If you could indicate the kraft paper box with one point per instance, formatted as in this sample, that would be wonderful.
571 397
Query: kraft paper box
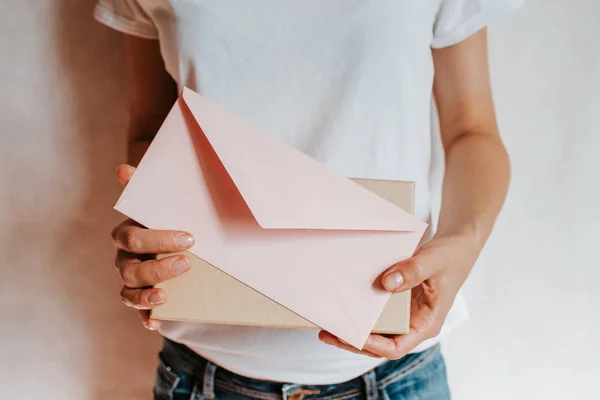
206 294
270 218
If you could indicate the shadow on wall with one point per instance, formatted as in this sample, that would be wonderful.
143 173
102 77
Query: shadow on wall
122 354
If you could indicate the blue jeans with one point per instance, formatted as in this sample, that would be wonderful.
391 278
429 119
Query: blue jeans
184 375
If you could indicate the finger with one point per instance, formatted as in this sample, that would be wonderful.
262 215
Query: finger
133 238
143 299
410 273
149 323
422 327
397 346
332 340
124 173
138 274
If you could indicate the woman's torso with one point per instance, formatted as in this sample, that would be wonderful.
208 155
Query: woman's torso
346 81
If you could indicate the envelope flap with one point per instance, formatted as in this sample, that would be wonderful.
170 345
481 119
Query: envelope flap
283 187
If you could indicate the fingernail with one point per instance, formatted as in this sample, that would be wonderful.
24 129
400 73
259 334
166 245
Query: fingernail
179 265
393 281
155 298
153 325
184 240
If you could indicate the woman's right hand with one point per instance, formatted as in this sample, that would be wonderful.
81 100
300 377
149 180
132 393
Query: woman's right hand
136 261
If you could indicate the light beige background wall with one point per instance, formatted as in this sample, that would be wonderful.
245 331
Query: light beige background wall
64 334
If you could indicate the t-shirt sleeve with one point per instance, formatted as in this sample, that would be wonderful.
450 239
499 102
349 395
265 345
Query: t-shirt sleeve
456 20
126 16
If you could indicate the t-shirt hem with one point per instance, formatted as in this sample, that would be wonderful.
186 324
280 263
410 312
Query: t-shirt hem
275 375
107 17
474 24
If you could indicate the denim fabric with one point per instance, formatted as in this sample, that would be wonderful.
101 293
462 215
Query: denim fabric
184 375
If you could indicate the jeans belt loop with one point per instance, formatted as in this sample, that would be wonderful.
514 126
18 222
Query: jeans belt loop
370 379
208 382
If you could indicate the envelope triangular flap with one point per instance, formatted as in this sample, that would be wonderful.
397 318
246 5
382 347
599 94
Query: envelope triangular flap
284 188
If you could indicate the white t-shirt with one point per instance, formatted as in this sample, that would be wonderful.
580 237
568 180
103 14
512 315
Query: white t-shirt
348 82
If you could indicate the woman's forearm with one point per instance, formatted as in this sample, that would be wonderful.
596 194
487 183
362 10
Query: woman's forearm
475 185
152 94
136 150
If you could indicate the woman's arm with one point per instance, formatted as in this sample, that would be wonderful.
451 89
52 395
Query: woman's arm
152 94
477 166
475 184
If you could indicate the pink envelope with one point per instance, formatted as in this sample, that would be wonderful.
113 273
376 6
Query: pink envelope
271 217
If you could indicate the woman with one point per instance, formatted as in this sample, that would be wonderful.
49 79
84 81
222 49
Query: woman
350 83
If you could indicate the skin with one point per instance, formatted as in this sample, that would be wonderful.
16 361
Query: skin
474 188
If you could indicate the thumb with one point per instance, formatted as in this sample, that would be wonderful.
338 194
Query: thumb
409 273
124 173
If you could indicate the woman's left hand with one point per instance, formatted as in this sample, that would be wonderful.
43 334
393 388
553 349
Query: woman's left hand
435 274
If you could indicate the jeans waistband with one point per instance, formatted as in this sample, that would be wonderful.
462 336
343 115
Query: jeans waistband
183 360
